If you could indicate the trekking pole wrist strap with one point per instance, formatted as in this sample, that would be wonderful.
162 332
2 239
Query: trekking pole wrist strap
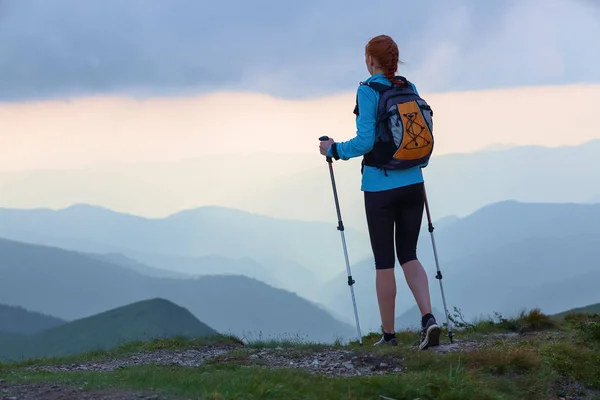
334 151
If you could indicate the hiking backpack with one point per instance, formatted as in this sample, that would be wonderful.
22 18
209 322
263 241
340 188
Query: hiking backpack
404 128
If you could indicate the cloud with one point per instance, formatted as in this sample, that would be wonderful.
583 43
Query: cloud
289 49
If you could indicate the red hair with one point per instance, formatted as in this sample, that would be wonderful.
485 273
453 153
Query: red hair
383 49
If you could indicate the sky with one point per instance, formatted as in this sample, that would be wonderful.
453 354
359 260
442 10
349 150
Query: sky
118 83
288 49
95 130
148 80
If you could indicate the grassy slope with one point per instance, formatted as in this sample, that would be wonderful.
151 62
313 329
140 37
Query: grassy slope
552 362
144 320
591 309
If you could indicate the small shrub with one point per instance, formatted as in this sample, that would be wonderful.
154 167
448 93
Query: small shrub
458 320
502 361
536 320
574 361
507 324
587 324
576 319
591 330
533 320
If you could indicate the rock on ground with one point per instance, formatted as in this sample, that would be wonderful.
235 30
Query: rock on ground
332 362
184 358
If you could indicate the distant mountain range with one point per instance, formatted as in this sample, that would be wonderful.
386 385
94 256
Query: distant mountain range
595 199
71 285
15 319
194 242
505 257
140 321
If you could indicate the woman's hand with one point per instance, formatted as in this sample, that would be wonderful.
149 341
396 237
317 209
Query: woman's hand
324 146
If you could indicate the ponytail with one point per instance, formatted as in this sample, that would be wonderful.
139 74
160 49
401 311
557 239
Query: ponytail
385 51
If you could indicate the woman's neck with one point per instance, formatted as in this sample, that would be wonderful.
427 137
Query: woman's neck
377 71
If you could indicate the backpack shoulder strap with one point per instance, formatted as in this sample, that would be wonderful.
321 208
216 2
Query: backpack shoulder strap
380 87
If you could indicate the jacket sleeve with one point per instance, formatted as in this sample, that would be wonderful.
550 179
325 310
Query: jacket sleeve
363 142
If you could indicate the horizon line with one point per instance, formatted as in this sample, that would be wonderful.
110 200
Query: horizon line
168 97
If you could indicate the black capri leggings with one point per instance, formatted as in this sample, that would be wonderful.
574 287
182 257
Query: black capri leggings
402 207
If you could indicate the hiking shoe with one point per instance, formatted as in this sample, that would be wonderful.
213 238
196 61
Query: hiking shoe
382 341
430 334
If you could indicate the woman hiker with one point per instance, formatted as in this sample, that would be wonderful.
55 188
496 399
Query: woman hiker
394 201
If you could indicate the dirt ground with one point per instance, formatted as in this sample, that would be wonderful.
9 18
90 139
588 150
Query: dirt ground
333 362
51 391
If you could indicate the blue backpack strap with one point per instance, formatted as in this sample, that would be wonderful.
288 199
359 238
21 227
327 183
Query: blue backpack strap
380 87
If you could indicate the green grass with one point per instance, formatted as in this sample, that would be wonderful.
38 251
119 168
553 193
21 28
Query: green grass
152 318
174 343
552 359
235 382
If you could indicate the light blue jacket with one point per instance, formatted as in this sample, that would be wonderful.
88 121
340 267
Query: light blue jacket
373 179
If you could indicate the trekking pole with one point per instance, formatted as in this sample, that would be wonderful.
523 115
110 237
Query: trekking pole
340 228
437 264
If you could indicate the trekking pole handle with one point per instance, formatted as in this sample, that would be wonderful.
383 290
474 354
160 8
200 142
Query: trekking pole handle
324 139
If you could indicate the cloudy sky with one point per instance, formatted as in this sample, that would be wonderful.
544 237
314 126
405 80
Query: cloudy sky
83 82
292 49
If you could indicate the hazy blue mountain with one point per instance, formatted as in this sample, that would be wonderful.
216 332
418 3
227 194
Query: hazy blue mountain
595 199
206 231
141 321
123 261
15 319
282 273
70 286
555 294
13 345
189 267
511 222
440 223
505 257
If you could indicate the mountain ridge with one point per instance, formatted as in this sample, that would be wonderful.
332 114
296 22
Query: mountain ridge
15 319
144 320
233 232
507 255
47 279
